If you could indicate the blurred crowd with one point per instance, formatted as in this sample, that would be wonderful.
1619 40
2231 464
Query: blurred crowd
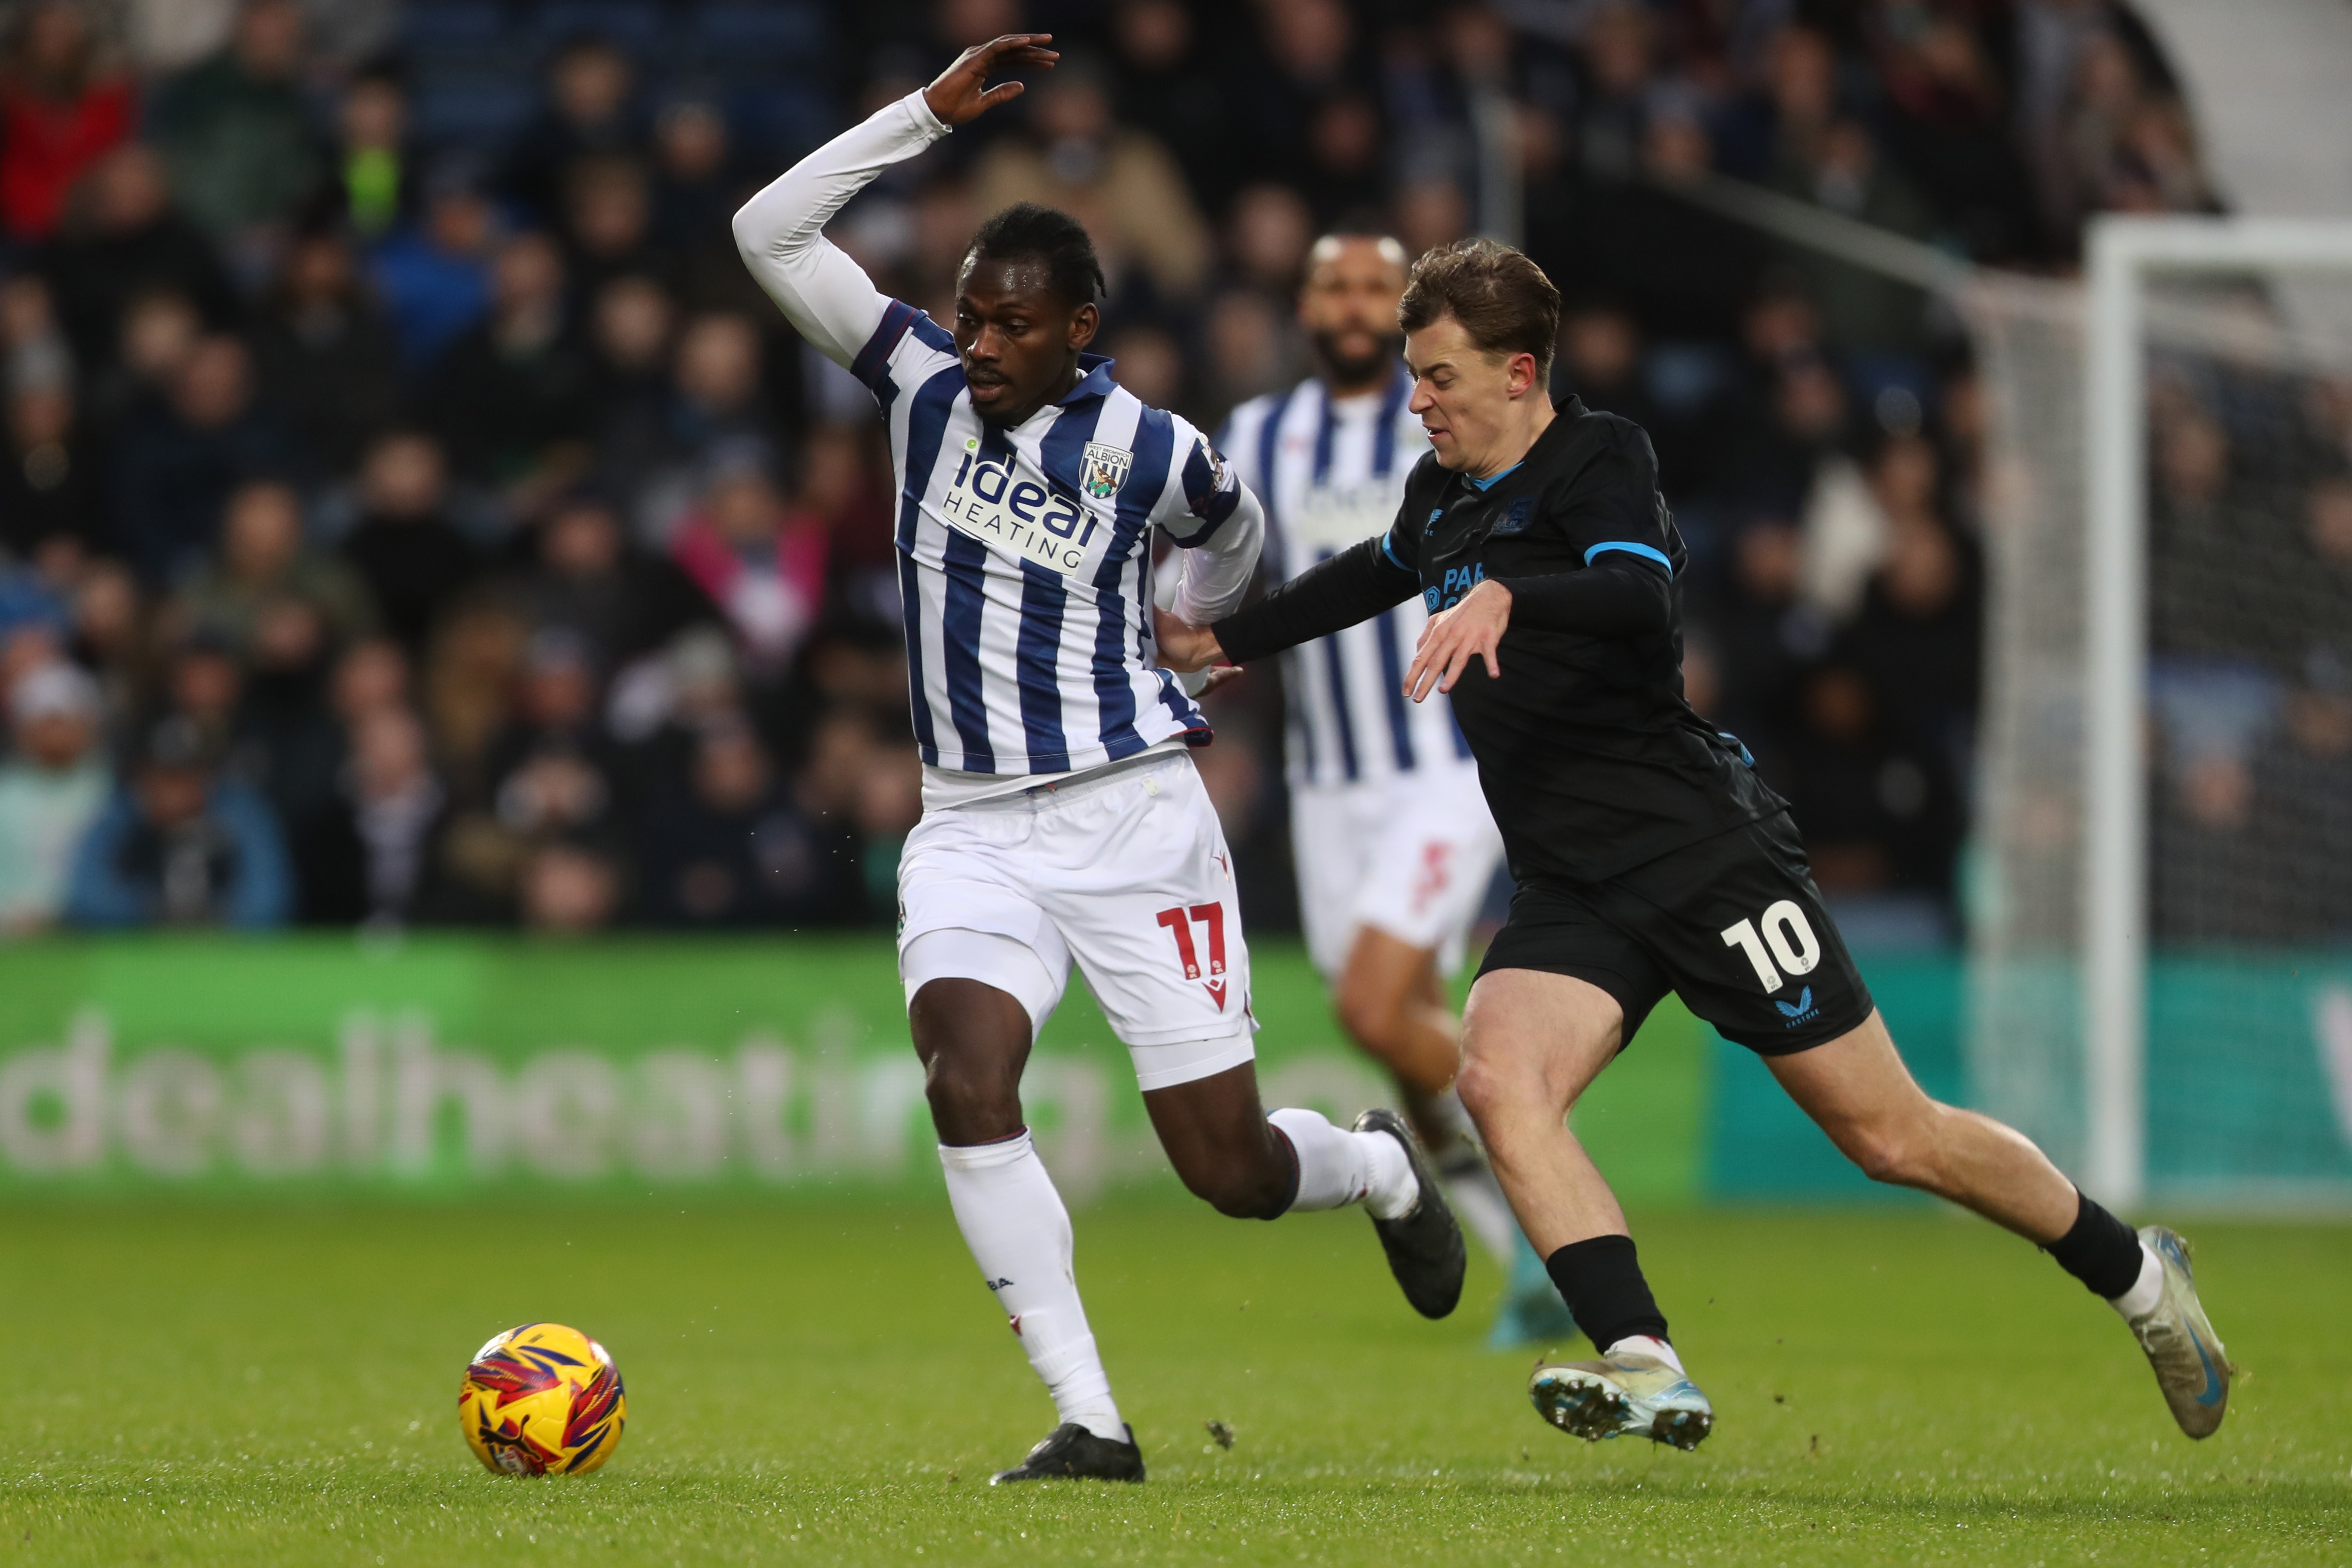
412 513
2250 636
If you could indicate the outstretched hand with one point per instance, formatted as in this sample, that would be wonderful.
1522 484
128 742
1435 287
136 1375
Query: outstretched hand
1185 647
1473 627
962 94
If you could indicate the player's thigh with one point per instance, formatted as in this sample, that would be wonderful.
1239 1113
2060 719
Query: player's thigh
1857 1088
1428 862
1560 994
1561 929
1331 826
1136 878
1740 931
968 910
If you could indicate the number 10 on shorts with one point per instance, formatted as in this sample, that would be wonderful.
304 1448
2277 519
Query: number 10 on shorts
1789 935
1179 922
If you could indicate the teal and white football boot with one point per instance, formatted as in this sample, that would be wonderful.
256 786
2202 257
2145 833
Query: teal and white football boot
1531 1312
1622 1396
2190 1365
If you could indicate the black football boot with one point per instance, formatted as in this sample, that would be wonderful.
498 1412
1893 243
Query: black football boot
1070 1452
1424 1246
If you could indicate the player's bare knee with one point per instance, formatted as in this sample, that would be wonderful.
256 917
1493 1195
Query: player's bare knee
1476 1086
1900 1152
974 1097
1490 1085
1370 1020
1879 1158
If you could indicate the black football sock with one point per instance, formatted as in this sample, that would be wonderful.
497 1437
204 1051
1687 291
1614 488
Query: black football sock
1600 1281
2101 1250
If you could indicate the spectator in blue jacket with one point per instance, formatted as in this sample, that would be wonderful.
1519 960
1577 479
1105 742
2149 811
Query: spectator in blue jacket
182 845
434 274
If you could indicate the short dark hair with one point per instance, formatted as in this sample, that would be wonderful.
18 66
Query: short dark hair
1502 299
1025 230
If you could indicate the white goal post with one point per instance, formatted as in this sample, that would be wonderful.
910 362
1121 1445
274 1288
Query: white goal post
2125 253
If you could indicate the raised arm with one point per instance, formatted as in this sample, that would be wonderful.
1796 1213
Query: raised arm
780 233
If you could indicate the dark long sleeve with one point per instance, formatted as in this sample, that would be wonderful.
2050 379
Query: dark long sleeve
1632 600
1354 585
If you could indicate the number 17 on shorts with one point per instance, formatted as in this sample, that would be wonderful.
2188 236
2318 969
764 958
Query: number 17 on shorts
1210 918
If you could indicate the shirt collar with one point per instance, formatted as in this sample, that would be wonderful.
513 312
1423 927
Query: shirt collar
1565 410
1094 379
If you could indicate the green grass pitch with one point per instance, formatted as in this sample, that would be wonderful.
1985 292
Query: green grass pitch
220 1384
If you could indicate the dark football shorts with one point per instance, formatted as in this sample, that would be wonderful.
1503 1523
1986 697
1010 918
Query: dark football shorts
1732 923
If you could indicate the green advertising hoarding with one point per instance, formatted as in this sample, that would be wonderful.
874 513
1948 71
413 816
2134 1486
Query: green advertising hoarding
444 1066
448 1066
2249 1080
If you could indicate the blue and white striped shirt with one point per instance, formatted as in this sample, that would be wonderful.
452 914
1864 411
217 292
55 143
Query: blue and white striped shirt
1024 553
1330 475
1025 559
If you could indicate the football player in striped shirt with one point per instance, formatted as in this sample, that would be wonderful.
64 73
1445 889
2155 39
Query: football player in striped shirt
1063 821
1389 832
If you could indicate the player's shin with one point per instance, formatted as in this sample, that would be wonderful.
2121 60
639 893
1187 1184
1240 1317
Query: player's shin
1019 1234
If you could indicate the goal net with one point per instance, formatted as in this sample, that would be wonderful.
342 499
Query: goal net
2161 937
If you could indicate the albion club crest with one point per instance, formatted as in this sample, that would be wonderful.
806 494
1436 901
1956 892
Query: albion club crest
1102 469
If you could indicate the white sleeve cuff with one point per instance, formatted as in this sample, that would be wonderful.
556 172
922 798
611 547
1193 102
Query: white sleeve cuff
919 108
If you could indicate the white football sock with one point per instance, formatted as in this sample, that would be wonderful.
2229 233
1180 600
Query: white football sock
1451 1140
1644 1345
1446 1116
1019 1234
1337 1167
2147 1290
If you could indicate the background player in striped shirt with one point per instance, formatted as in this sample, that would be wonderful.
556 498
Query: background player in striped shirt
1390 834
1062 820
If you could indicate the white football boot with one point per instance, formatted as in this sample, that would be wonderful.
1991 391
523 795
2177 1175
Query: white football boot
1620 1396
2190 1365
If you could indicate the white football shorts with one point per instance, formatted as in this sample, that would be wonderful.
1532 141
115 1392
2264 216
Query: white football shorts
1127 873
1411 855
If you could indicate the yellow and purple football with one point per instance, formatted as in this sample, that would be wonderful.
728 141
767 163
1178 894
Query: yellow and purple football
542 1400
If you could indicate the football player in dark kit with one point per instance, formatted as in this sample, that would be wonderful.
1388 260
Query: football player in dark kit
1650 856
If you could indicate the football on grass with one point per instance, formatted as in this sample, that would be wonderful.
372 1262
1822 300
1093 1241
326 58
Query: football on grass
542 1400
